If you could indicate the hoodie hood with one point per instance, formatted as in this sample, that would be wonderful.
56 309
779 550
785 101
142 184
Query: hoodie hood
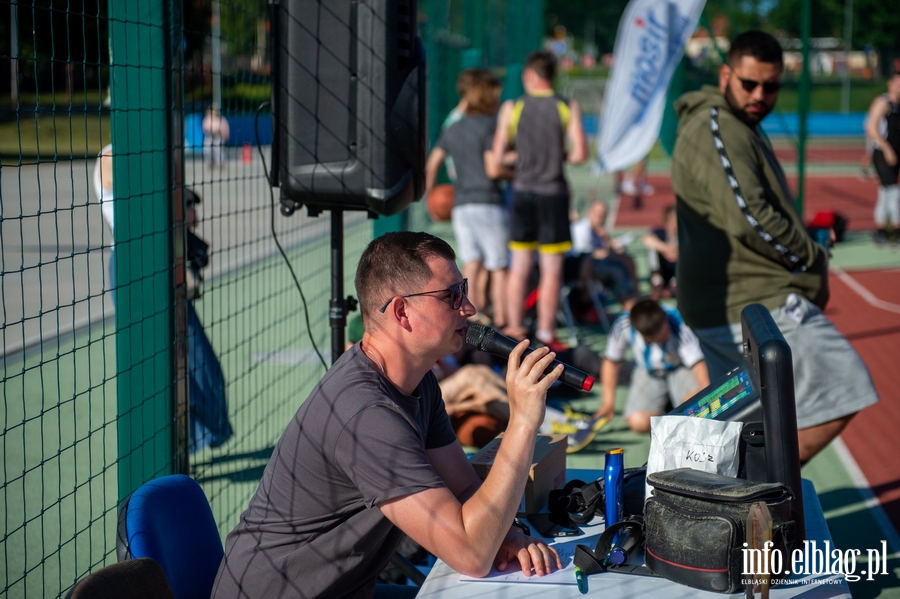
703 99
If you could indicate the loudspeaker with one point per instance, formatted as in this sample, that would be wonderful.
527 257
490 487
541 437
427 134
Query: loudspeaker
348 105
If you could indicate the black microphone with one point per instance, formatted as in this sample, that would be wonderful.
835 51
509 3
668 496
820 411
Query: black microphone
488 340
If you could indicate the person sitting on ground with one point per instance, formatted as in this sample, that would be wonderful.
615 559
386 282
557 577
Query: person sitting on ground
668 364
662 254
370 454
602 258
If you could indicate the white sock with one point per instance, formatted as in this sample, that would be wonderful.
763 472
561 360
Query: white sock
545 336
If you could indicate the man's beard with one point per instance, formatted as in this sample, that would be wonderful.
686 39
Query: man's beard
751 119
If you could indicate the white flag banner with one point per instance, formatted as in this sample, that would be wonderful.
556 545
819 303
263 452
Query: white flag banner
649 44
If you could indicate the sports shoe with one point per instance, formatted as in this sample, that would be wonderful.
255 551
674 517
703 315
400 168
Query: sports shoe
554 344
569 427
573 415
583 436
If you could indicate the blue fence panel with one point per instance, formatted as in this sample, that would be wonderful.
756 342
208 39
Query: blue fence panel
818 124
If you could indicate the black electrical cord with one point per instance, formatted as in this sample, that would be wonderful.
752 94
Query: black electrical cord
275 235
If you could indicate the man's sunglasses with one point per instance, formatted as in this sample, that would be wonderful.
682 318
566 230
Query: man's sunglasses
457 293
769 87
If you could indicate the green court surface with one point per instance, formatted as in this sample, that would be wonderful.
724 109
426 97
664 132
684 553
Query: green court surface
280 358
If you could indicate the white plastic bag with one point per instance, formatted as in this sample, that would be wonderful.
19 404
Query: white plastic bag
698 443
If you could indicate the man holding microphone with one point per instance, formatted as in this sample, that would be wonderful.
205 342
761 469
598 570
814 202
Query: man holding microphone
370 454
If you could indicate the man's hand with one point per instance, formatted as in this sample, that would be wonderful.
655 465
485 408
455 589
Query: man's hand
890 156
527 385
607 412
670 252
534 556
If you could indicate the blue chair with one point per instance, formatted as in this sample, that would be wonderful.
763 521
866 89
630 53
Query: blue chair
169 519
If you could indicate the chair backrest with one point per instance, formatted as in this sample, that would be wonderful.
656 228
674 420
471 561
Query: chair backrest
141 578
169 519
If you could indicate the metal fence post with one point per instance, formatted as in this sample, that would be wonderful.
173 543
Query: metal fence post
140 86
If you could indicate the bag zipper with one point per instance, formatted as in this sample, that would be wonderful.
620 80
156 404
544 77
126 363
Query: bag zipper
768 495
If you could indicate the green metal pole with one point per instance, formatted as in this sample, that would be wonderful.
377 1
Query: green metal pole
474 26
140 71
803 106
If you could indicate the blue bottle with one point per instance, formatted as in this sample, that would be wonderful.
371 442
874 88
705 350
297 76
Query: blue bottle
614 474
627 538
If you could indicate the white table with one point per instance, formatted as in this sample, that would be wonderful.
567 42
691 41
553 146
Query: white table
444 583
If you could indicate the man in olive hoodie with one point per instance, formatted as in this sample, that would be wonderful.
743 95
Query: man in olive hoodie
741 242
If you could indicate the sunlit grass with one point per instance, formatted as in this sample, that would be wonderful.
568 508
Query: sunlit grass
60 136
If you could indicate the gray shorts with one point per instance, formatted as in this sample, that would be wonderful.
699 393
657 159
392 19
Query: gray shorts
653 394
830 379
887 208
482 233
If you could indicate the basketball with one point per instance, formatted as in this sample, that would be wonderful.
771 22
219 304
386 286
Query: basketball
477 430
440 202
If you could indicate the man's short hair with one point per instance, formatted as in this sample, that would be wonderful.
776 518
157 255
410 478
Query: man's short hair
394 264
757 44
543 63
647 317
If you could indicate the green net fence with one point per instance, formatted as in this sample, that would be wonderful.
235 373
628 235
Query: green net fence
104 324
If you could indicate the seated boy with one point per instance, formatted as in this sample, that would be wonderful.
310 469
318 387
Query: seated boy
668 363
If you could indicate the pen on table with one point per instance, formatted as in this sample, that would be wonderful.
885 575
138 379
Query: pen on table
582 580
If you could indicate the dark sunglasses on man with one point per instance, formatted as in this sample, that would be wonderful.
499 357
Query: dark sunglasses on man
749 85
457 293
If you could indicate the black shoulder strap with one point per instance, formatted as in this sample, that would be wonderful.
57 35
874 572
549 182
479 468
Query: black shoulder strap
578 501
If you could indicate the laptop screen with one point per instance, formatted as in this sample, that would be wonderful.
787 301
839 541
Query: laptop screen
729 394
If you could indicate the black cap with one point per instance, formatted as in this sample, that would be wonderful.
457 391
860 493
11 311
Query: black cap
190 198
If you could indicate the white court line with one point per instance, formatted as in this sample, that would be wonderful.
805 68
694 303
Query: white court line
856 475
869 498
863 292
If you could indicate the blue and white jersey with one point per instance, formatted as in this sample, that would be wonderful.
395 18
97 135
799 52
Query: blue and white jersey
682 348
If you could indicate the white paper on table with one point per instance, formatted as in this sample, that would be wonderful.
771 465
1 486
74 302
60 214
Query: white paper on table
513 573
698 443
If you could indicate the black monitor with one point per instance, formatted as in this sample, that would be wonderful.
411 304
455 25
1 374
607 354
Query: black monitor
759 393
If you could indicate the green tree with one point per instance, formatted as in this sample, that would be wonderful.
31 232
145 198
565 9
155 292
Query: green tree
875 23
827 20
575 14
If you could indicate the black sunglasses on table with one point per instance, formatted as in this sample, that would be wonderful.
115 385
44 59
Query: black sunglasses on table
457 293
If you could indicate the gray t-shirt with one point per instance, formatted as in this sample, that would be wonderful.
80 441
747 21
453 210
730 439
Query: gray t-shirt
313 529
540 123
466 141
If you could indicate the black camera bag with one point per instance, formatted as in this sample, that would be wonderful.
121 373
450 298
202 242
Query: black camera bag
694 526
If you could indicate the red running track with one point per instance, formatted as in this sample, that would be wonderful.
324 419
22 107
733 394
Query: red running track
875 333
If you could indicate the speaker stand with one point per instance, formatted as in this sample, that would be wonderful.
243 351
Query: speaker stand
339 306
